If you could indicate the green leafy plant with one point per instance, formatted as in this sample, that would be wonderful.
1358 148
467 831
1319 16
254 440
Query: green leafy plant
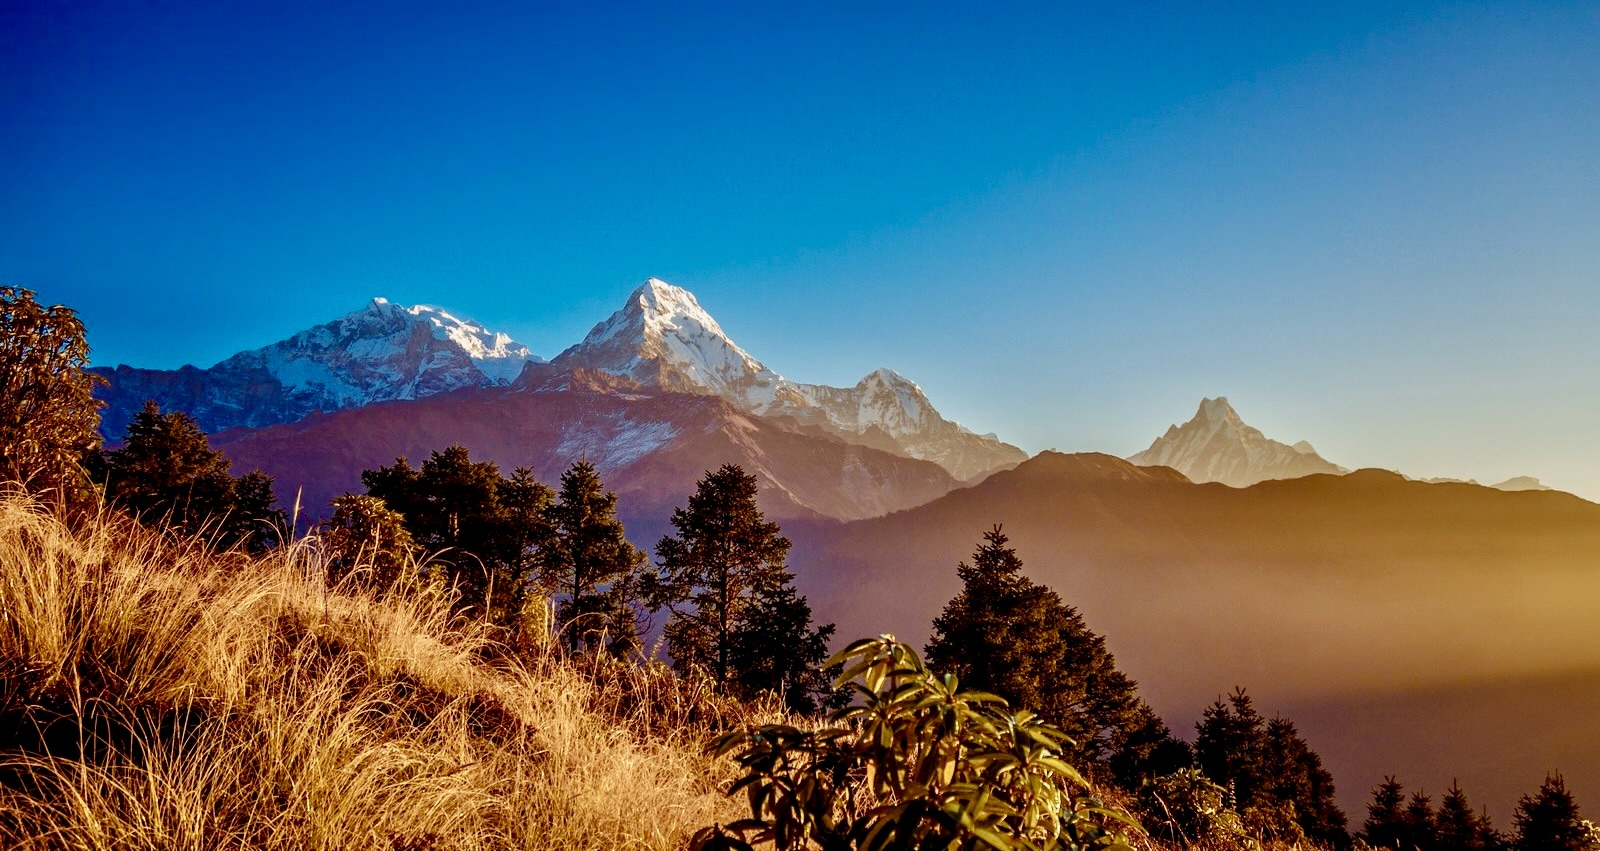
913 763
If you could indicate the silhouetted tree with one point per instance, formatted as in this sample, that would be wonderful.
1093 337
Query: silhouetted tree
367 542
1279 784
774 648
1421 831
48 414
166 473
725 555
487 535
1548 820
1459 828
1386 825
1006 635
590 562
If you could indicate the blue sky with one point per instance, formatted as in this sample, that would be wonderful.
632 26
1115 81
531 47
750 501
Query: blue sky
1373 226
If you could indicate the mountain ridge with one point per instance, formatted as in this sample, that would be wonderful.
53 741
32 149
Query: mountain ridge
1217 445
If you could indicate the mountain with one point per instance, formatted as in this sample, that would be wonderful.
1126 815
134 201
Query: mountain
663 339
650 447
1217 446
1363 591
383 352
1522 483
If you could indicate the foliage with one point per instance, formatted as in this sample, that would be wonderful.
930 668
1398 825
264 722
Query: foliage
366 543
1280 788
1386 825
1004 634
1548 820
484 531
166 473
917 763
734 610
48 414
1186 807
591 562
1458 828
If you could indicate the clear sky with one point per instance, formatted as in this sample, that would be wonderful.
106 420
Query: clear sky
1375 226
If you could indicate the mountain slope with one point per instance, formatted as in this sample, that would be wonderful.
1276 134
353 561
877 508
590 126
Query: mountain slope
662 338
1217 446
1324 590
650 448
385 351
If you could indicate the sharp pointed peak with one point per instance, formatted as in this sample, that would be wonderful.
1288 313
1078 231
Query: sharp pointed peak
1216 409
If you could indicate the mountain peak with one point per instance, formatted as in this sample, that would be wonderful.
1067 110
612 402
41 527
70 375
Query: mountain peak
1217 445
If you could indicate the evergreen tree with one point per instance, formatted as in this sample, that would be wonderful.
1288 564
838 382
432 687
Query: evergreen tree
590 561
1006 635
167 473
486 534
48 414
1280 787
1386 826
1548 820
367 542
1421 830
724 557
1459 828
773 648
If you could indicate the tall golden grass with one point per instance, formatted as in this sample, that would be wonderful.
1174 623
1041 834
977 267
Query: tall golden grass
157 695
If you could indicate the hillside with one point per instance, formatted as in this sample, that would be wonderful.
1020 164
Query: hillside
1325 591
158 696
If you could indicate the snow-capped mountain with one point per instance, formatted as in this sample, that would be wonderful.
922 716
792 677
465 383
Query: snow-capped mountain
662 338
1217 446
383 352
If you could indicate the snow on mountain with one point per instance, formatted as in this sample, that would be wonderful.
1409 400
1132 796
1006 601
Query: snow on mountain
1217 446
383 352
662 338
1522 483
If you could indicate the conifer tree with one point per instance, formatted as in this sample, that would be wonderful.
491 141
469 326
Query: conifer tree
49 418
590 561
726 563
166 473
1459 828
1279 784
1386 826
1421 830
1548 820
485 534
774 648
1006 635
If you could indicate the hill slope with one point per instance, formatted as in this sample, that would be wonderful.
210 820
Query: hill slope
1316 590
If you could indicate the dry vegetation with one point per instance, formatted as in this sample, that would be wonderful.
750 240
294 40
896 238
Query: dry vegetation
155 695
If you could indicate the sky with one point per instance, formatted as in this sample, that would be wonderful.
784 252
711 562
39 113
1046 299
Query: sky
1374 226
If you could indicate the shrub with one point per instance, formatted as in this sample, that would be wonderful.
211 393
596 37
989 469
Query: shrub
915 762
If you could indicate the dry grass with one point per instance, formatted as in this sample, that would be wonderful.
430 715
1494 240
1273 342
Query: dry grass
154 695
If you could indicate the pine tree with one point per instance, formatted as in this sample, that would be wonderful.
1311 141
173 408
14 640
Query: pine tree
166 473
1421 830
48 414
774 648
1386 826
486 534
1280 787
590 561
1006 635
724 556
1459 828
1548 820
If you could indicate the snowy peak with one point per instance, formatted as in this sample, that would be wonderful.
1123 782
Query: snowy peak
662 338
1217 445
